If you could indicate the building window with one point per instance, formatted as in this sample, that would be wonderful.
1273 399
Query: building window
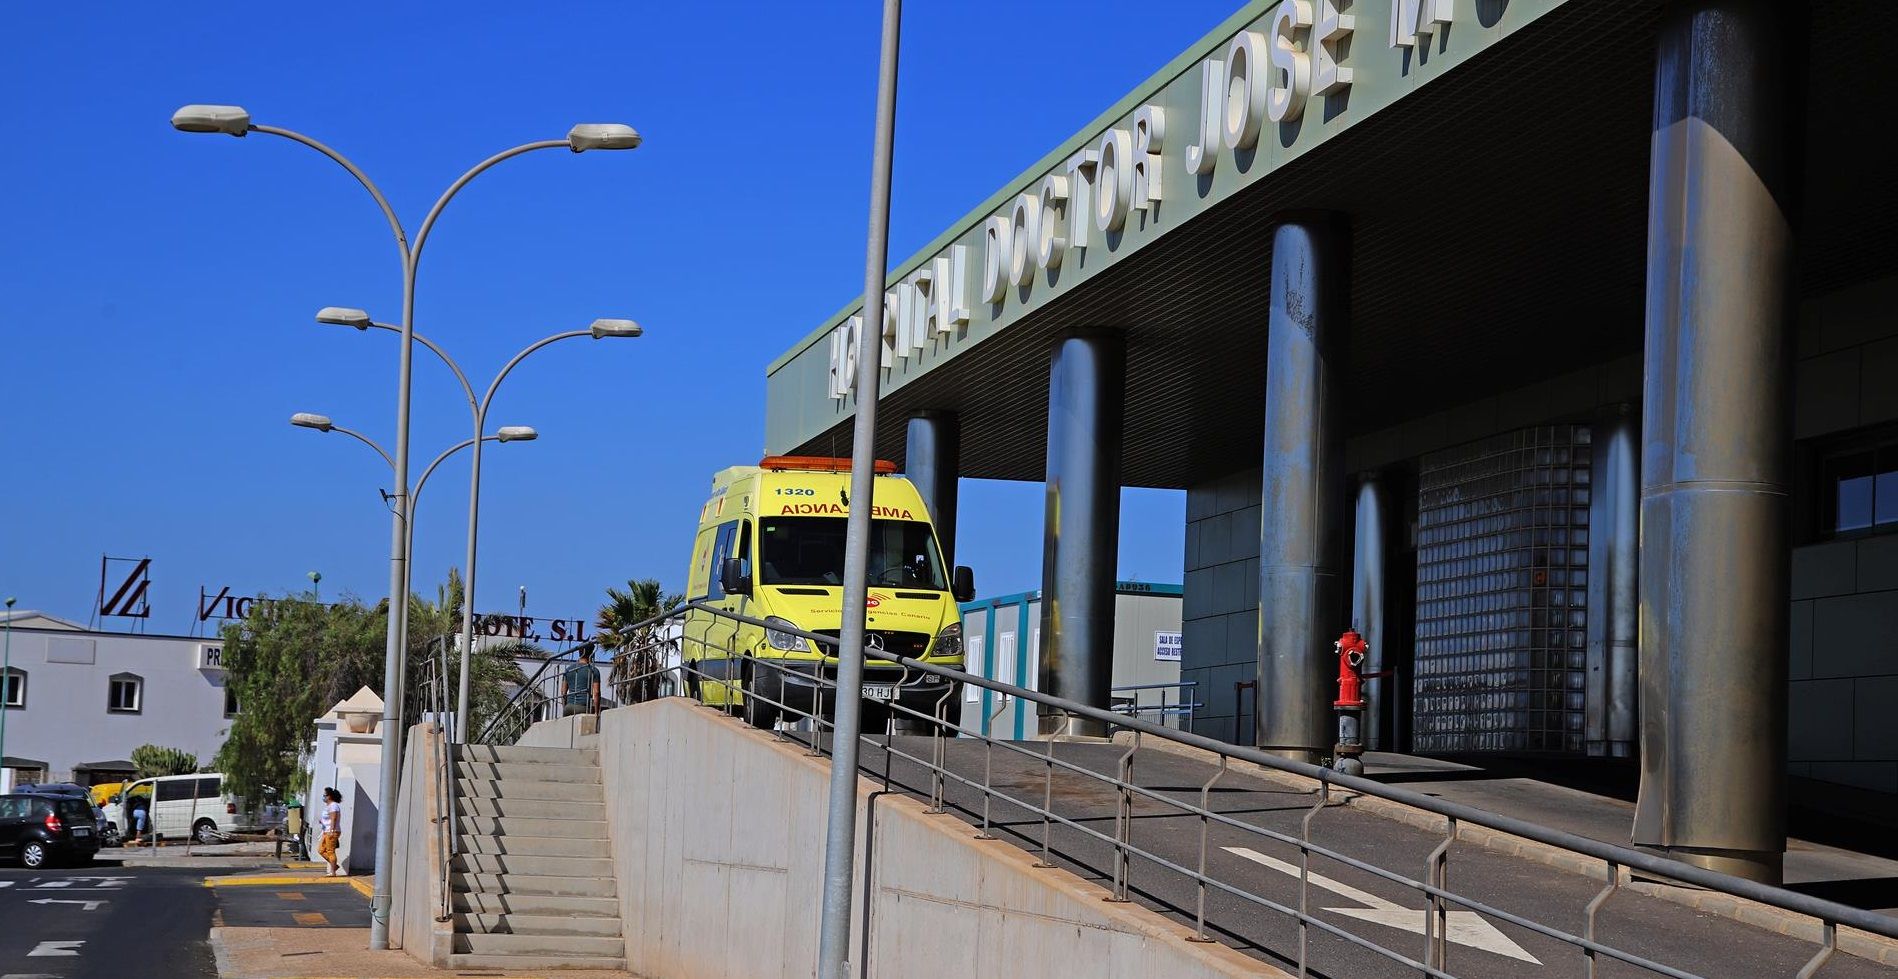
1859 489
13 689
230 701
126 694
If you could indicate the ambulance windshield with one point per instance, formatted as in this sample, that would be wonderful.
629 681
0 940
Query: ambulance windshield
810 551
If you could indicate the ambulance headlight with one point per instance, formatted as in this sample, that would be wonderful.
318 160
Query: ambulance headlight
949 641
786 641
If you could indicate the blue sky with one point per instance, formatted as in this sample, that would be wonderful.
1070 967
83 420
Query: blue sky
159 286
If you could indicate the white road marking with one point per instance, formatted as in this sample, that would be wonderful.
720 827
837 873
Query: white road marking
52 883
1463 927
56 948
84 905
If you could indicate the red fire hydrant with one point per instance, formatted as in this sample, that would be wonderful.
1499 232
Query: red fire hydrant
1351 649
1347 755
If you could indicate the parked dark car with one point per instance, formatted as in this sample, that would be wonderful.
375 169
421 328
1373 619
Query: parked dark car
38 830
108 833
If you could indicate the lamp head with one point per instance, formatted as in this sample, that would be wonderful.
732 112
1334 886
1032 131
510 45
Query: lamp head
343 316
602 136
615 328
228 119
516 433
305 419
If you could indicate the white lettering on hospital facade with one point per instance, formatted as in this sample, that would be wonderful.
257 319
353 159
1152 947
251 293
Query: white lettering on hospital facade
1259 76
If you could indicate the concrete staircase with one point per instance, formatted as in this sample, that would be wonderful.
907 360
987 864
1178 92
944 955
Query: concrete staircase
533 873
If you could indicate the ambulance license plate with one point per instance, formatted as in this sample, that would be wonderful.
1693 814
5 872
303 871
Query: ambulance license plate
879 691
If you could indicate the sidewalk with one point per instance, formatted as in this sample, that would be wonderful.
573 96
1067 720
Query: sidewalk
216 856
316 945
1858 879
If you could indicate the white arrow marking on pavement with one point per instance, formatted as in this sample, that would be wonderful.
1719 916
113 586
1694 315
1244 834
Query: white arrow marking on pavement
56 948
1463 927
53 883
85 905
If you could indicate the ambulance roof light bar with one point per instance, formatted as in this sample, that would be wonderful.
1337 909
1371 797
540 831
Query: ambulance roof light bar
822 464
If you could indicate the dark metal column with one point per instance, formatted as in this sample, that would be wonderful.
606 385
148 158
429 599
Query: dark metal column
1367 604
932 461
1081 537
1716 435
1303 498
1614 542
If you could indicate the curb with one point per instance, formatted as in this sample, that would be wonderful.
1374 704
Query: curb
286 880
1859 944
220 954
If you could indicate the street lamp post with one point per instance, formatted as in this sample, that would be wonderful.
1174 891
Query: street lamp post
235 121
6 687
361 320
840 822
507 433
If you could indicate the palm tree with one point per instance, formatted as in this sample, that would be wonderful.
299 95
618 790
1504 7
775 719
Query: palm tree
637 646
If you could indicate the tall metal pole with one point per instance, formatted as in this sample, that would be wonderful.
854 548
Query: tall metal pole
464 683
6 687
235 121
393 658
395 654
840 838
395 646
474 526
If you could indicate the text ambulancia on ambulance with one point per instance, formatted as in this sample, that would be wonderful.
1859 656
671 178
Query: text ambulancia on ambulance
770 546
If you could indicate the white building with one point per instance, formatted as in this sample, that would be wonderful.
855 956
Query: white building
77 702
346 755
1002 641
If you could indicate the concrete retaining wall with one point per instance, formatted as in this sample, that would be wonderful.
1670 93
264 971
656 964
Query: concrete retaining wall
416 864
563 732
717 835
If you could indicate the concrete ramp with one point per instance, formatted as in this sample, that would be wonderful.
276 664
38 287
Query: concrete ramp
717 836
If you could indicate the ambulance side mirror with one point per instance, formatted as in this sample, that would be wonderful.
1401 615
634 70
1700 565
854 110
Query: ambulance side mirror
734 577
962 583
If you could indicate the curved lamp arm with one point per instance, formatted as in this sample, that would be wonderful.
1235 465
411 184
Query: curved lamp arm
416 496
395 224
488 399
466 388
421 237
366 440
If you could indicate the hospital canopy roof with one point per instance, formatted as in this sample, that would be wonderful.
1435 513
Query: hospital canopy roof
1492 167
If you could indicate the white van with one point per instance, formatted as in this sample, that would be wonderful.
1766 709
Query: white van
181 805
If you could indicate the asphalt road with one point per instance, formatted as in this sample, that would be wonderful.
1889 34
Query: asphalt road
1371 909
105 922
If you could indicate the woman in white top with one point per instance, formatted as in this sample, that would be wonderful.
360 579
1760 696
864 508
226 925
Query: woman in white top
331 826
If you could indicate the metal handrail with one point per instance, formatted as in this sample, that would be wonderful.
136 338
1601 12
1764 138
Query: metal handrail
514 707
1616 860
1183 707
438 698
1633 859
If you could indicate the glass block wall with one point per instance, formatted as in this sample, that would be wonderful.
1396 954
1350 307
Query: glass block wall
1502 593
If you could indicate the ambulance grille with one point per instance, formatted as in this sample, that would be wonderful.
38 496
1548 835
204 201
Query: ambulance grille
911 644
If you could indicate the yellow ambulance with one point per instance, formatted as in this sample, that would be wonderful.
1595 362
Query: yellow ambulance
770 546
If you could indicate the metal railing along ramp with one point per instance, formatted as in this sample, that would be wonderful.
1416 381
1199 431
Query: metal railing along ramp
1258 852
